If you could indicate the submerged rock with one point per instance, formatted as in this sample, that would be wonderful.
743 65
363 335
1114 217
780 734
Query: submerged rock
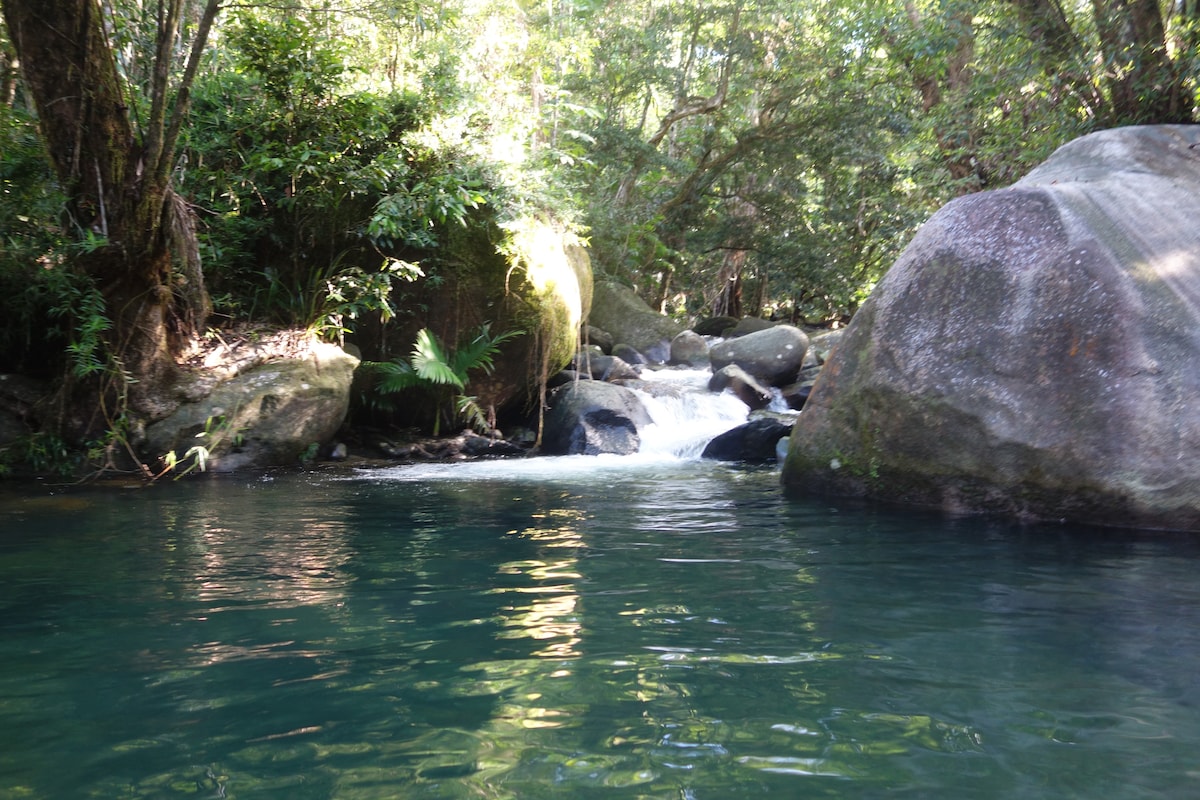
1034 351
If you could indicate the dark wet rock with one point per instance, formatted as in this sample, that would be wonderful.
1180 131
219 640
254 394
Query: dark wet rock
796 394
467 445
715 326
747 325
600 338
593 417
742 384
754 441
604 368
628 354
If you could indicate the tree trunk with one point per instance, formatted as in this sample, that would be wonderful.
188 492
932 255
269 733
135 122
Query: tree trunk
949 79
728 302
1060 52
10 65
121 201
1144 84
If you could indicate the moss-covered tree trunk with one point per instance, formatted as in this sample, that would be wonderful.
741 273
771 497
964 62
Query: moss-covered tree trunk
137 232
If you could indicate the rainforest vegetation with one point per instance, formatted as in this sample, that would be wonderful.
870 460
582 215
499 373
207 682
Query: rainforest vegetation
172 169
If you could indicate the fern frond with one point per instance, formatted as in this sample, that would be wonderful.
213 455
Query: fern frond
469 410
480 351
432 363
394 376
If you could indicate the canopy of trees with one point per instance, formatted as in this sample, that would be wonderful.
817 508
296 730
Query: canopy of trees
304 163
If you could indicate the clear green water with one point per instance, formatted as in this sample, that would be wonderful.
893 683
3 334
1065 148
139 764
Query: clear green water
576 630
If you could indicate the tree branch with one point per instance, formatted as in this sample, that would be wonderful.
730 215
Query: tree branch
167 28
162 167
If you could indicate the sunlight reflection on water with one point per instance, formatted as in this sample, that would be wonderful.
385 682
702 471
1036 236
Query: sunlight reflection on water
562 629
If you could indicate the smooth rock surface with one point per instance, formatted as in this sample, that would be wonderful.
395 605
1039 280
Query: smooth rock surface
690 349
773 355
593 417
752 442
618 309
1035 351
268 415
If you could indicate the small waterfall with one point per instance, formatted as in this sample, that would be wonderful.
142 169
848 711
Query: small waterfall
686 415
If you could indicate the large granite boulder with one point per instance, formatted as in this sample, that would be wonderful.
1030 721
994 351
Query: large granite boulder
773 355
1035 350
592 418
618 309
265 415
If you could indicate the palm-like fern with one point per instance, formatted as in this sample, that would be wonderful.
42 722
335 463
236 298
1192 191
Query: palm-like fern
433 366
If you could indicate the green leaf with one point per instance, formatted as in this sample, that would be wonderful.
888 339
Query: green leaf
394 376
432 363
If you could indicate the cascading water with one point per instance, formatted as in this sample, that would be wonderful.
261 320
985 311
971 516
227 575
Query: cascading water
686 415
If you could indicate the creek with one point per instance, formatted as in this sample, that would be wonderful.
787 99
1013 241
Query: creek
653 626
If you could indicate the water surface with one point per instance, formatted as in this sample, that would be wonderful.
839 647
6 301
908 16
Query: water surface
577 628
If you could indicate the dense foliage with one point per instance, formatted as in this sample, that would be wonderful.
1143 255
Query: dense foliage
735 157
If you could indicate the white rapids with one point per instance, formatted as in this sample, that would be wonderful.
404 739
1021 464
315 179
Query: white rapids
685 417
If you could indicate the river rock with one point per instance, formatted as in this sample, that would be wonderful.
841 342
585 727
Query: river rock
715 326
773 356
604 368
821 344
754 441
742 384
1035 351
748 325
689 348
268 415
600 338
618 309
628 354
591 418
796 394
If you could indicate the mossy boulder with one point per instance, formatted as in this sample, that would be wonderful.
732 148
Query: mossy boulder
1035 351
618 309
258 415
